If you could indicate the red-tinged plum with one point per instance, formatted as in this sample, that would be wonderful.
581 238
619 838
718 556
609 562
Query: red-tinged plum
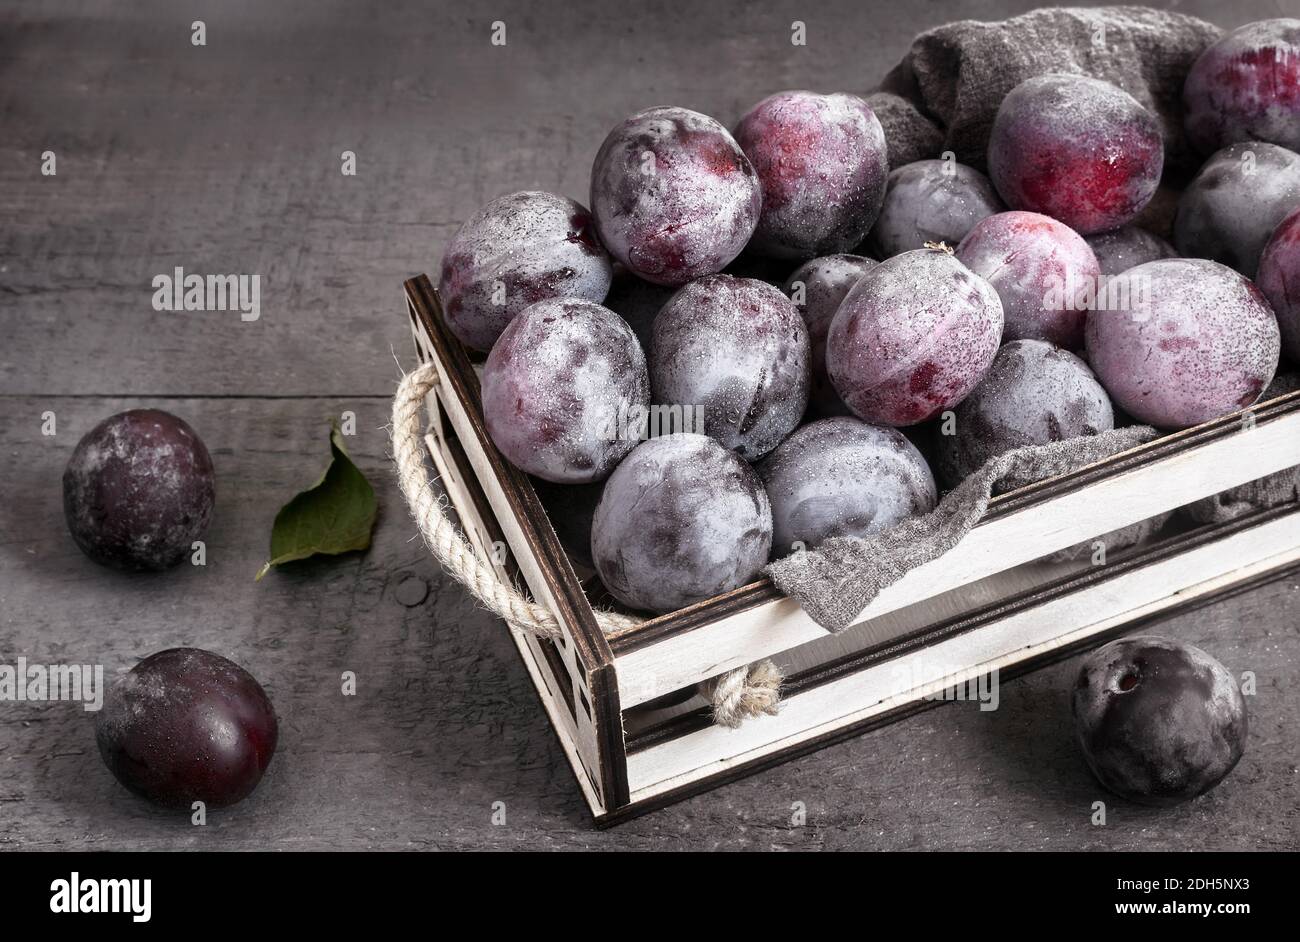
737 350
673 195
931 201
517 250
1229 211
680 520
1077 149
912 338
563 390
1246 87
138 490
822 164
1043 271
1159 721
1182 341
1034 393
841 477
817 288
1279 279
1125 248
187 725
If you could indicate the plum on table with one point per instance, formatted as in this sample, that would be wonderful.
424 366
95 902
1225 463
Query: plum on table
1077 149
1159 721
1034 393
841 477
931 201
817 288
1043 271
1230 209
913 337
1279 279
680 520
1182 341
139 490
519 249
674 196
1246 87
565 390
737 350
187 725
822 164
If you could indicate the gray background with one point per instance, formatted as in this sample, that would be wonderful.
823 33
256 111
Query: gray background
226 159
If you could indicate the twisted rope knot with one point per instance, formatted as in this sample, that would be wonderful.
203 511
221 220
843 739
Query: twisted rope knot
736 695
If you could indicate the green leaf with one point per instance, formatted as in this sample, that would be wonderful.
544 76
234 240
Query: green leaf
335 515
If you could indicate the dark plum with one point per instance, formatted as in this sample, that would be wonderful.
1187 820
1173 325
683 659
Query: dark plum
1077 149
571 508
564 390
1279 279
138 490
1042 270
681 519
817 288
1125 248
638 302
913 337
822 164
187 725
1033 394
517 250
1246 87
1182 341
737 350
1159 721
842 477
673 195
1229 211
931 201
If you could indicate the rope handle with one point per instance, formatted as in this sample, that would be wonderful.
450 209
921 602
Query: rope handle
736 695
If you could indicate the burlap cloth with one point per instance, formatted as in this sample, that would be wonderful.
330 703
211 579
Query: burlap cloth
944 94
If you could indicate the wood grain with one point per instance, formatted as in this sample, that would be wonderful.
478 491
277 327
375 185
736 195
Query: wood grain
226 159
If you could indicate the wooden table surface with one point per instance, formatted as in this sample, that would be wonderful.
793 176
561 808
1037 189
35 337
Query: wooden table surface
226 158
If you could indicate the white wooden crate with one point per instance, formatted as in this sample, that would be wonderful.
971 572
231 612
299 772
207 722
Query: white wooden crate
622 704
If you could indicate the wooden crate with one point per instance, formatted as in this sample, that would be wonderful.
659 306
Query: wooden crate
623 704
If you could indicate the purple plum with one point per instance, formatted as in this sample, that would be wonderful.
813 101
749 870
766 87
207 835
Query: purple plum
1182 341
842 477
563 390
1246 87
1043 271
817 288
187 725
1033 394
1230 209
822 164
1077 149
673 195
1279 279
931 201
913 337
737 350
517 250
1159 721
138 490
681 519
